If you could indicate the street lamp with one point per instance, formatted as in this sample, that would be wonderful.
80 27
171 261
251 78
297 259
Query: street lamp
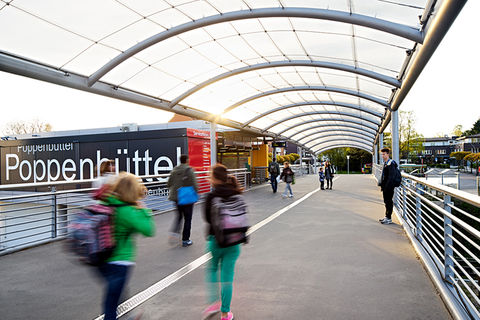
348 164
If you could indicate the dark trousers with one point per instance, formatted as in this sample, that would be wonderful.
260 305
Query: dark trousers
274 182
183 212
388 200
329 183
116 278
322 184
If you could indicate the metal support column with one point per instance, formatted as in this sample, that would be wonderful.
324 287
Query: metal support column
395 138
448 241
213 144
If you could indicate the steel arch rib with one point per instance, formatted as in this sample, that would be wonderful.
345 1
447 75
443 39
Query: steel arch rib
313 113
381 102
341 145
288 63
370 129
346 142
345 134
324 125
323 14
311 103
340 131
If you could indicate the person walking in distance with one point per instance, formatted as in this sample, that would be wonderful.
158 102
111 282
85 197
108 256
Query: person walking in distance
329 171
386 184
274 171
130 218
321 177
288 177
224 189
182 176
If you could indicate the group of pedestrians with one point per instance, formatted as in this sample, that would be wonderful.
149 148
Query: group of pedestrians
326 172
124 193
287 175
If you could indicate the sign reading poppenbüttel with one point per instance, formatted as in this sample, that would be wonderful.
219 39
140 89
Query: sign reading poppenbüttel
77 158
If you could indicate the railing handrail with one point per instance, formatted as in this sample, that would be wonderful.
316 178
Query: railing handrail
455 193
64 182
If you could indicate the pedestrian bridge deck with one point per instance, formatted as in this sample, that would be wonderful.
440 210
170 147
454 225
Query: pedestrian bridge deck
326 257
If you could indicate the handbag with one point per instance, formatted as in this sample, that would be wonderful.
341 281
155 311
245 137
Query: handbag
186 195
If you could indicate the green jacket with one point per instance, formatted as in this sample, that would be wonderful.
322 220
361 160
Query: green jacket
181 176
128 221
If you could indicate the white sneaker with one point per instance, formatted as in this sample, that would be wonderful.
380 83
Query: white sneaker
387 221
383 219
290 196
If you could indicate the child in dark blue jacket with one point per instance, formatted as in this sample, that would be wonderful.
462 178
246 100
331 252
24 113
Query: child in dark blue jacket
321 176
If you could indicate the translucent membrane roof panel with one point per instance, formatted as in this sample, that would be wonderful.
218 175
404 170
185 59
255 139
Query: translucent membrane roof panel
89 18
146 7
404 12
151 81
132 34
92 58
37 39
170 18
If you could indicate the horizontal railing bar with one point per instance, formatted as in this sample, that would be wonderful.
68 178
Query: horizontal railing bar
31 228
458 194
23 209
473 282
459 277
466 260
27 222
24 237
24 216
431 239
465 237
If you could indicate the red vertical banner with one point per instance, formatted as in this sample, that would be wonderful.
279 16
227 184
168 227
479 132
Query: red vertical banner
199 154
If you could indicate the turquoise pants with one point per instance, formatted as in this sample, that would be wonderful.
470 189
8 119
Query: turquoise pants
223 259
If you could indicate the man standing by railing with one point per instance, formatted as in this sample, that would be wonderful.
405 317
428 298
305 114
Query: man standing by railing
274 171
387 185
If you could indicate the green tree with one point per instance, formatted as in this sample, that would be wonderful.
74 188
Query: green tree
475 129
411 142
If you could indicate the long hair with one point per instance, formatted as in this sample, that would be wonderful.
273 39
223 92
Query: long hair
128 189
220 173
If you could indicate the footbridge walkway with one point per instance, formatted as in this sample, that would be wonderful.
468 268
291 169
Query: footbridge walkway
318 255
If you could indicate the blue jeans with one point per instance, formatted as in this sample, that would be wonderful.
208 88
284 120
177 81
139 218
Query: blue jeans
273 181
116 278
288 189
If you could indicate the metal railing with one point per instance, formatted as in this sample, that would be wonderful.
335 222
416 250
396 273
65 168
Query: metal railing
33 214
445 224
446 177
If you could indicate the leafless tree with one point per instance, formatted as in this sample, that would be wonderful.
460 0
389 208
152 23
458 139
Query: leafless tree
26 127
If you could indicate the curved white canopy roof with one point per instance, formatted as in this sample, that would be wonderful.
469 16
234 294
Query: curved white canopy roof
316 72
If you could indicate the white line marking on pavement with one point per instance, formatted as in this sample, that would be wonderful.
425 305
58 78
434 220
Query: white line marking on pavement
161 285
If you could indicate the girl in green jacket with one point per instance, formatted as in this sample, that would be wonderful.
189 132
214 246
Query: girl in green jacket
130 218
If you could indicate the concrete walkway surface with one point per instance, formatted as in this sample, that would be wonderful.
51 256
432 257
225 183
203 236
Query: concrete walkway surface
325 258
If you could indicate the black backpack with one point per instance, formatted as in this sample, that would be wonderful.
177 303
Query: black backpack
396 175
273 169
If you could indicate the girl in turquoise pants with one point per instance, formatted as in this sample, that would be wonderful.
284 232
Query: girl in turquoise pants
223 259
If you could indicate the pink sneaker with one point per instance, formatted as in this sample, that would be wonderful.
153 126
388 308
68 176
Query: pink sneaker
211 310
229 316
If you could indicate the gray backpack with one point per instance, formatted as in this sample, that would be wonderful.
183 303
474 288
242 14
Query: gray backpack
229 220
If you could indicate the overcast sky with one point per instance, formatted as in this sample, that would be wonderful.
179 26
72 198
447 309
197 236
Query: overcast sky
445 94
